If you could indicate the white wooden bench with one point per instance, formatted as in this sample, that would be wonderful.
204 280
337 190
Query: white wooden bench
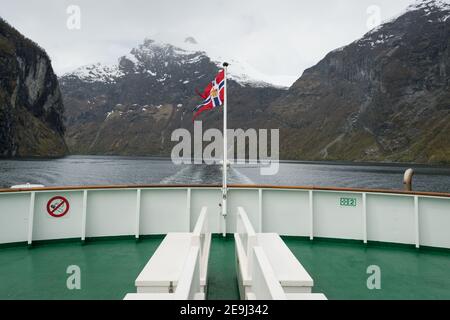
188 287
265 285
162 272
245 240
289 272
201 237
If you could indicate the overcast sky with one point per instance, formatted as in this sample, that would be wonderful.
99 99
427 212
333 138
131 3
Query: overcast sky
279 38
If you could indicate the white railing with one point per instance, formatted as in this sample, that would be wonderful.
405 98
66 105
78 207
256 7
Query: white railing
416 219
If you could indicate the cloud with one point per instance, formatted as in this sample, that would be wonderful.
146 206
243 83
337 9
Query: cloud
278 38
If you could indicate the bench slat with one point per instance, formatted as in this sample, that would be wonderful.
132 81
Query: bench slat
306 296
150 296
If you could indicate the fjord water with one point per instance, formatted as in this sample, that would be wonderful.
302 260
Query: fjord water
103 170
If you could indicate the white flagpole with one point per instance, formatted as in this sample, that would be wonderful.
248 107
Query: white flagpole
225 149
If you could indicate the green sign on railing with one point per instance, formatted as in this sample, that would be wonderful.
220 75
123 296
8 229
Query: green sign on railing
348 202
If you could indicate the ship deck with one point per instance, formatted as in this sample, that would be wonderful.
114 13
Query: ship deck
110 266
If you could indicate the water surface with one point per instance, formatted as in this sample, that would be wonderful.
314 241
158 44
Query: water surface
104 170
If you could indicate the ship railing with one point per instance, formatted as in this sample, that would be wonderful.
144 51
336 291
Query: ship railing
410 218
265 285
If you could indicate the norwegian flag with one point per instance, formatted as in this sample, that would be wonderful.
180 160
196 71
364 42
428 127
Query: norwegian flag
213 95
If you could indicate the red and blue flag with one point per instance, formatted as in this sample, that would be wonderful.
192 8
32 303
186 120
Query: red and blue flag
213 95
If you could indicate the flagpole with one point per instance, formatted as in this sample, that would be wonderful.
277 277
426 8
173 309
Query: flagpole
225 149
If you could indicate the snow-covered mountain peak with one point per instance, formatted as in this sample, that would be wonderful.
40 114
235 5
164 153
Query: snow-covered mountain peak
153 54
190 40
430 5
97 72
435 11
160 59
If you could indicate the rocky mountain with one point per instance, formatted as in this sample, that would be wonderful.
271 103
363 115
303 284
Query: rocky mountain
132 108
31 107
384 97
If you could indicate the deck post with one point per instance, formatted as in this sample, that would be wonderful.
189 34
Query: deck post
364 216
83 216
138 212
31 217
416 221
260 209
311 215
188 208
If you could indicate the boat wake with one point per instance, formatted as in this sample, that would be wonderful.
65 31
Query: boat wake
204 174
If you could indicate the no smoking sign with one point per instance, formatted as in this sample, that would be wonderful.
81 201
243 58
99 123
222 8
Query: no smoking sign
58 207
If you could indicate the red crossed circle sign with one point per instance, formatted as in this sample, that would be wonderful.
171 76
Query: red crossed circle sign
58 206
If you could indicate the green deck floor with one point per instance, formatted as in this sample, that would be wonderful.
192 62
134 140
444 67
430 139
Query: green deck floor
109 268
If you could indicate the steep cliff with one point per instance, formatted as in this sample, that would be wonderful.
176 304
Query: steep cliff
31 107
384 97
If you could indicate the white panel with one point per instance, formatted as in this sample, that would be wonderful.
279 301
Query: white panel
434 222
111 213
247 199
286 212
14 217
390 218
163 211
211 199
46 227
333 220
